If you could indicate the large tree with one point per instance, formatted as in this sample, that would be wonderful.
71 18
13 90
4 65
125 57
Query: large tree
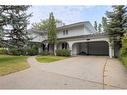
41 28
52 35
117 21
15 20
95 25
104 24
99 28
117 25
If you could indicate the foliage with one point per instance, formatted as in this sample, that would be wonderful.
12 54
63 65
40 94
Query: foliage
123 51
99 28
43 25
117 21
3 51
63 52
32 51
15 51
48 59
104 24
52 36
11 64
16 19
124 60
95 25
45 53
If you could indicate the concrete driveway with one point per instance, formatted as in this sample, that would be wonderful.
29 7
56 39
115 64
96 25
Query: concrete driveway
82 72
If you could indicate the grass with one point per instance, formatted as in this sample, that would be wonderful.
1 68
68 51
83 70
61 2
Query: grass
11 64
48 59
124 60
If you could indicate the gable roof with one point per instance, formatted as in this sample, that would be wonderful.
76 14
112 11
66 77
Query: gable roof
71 25
86 24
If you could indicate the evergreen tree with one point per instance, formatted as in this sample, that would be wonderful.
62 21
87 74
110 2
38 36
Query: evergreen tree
104 24
117 21
99 28
95 25
52 36
16 18
1 35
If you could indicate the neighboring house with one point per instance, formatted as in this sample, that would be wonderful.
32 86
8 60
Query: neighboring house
82 39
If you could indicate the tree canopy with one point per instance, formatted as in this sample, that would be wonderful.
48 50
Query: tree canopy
14 21
117 20
95 25
52 35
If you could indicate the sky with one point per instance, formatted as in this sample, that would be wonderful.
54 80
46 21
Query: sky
68 14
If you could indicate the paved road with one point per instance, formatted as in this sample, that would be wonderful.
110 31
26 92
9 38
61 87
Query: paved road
82 72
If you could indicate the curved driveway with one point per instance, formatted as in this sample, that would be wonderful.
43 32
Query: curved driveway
82 72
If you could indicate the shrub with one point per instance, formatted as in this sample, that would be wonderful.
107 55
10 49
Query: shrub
63 52
14 51
124 60
31 52
123 51
3 51
44 53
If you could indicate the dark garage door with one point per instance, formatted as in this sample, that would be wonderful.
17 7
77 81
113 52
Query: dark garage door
98 48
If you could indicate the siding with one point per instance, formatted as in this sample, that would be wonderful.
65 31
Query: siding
75 31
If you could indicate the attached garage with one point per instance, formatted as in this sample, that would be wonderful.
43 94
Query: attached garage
91 48
98 48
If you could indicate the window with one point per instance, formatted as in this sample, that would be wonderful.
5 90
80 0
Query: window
64 45
65 32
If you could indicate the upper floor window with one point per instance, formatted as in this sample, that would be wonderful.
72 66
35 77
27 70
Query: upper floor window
65 32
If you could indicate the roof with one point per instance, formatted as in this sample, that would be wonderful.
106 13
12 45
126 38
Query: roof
89 36
86 24
73 25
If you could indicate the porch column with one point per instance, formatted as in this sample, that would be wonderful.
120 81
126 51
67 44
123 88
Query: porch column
70 47
55 49
39 50
111 50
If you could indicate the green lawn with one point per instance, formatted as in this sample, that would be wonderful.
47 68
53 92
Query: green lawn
10 64
48 59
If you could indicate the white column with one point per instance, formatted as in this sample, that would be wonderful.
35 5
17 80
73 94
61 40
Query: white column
74 50
70 47
39 50
111 50
55 49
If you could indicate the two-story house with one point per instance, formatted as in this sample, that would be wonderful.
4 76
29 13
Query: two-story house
82 39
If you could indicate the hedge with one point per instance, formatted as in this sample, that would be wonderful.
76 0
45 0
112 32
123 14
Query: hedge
63 52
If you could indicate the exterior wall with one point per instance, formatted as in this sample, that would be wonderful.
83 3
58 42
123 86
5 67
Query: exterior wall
89 28
75 31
